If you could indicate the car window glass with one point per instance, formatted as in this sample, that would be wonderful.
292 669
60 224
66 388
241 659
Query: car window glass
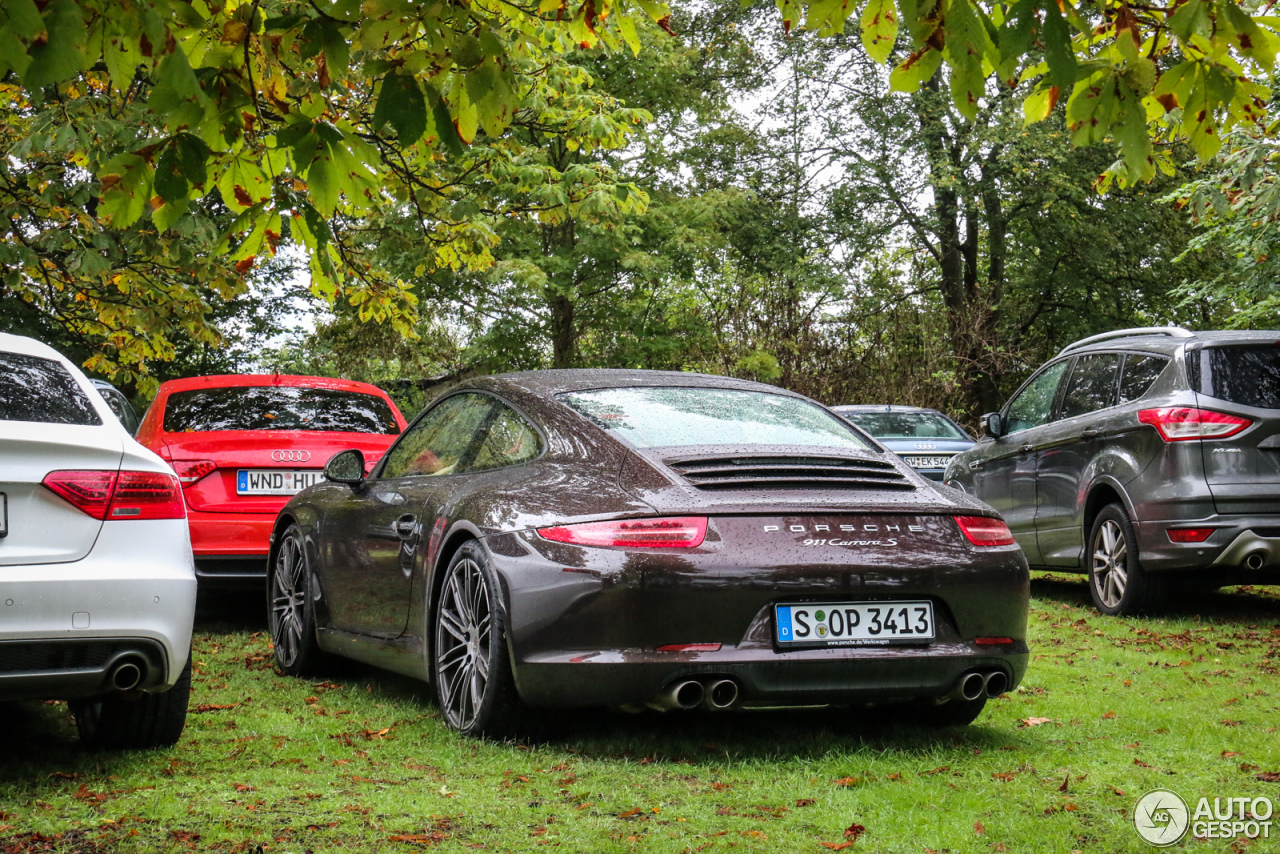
508 440
1249 375
443 439
1033 404
1140 371
672 416
41 390
278 408
906 425
1092 385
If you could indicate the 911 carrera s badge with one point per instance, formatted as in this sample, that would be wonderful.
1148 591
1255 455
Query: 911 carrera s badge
848 534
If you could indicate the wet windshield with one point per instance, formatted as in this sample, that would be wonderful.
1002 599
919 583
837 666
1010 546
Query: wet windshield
674 416
906 425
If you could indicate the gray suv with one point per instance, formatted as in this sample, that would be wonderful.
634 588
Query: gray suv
1148 458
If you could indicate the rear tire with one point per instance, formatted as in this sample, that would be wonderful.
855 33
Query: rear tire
470 666
1117 583
291 598
135 720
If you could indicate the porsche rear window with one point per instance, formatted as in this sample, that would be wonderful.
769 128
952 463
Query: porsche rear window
675 416
320 410
41 390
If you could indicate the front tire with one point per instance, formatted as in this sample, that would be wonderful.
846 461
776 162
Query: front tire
1117 583
135 720
291 598
470 668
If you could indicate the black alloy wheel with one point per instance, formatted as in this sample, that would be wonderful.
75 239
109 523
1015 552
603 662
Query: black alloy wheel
1117 582
291 606
470 666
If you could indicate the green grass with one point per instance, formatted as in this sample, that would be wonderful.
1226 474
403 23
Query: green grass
1110 709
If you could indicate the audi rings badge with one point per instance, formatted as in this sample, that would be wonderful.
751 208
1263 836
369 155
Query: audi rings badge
291 456
925 446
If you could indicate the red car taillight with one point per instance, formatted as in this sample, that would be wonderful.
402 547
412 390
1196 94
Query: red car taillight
985 531
1184 424
1189 535
190 471
677 532
119 495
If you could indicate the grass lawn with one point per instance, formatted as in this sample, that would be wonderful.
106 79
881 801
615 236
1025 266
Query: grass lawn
1110 709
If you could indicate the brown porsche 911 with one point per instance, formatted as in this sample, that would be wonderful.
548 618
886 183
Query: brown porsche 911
635 538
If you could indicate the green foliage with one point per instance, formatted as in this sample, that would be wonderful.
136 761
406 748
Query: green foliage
1181 69
1237 206
302 119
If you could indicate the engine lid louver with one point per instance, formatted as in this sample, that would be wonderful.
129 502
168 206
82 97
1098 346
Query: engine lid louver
791 473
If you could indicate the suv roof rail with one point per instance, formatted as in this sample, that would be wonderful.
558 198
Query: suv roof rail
1171 331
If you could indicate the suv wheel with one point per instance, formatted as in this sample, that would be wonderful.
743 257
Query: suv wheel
1117 582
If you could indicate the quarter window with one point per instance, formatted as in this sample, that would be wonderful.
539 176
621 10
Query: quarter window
1140 372
464 433
1092 385
1034 403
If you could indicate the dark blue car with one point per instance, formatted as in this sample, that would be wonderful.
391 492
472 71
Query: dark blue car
925 438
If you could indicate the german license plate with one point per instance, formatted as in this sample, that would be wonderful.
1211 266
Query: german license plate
928 462
4 515
853 623
275 481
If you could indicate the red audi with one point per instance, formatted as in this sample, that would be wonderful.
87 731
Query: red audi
243 444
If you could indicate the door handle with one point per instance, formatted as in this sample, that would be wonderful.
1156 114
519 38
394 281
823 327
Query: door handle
1089 434
1026 449
406 526
976 464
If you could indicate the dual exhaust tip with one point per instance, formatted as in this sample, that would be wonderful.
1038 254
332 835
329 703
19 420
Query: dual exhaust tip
977 684
715 694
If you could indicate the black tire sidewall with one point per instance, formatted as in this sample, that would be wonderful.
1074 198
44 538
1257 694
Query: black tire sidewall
1136 585
498 703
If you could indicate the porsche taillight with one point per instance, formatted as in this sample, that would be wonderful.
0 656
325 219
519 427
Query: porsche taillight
1185 424
119 495
985 531
675 532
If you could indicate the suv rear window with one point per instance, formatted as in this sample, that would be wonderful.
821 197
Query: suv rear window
1248 375
317 410
41 390
674 416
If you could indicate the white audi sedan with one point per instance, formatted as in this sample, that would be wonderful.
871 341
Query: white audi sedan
97 582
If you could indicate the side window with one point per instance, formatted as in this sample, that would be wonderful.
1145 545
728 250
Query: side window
508 441
1139 373
442 440
1032 406
1092 385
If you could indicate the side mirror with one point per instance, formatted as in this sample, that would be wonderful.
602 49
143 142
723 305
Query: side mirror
346 467
993 425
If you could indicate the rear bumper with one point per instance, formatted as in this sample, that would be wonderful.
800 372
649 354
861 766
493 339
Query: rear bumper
65 625
764 677
1225 554
230 535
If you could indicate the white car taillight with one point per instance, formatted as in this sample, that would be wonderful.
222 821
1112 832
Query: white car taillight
119 495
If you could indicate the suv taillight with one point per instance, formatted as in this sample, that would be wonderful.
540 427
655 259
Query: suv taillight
677 532
118 496
1184 424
